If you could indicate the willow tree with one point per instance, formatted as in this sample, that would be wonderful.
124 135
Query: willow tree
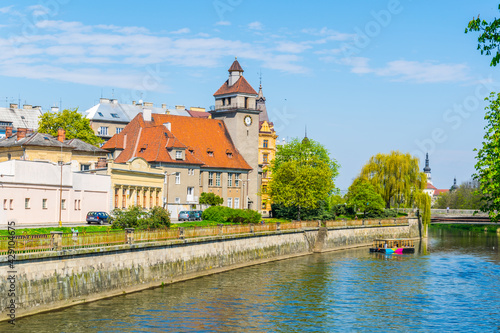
396 177
303 175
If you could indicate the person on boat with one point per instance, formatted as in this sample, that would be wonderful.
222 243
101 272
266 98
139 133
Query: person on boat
385 245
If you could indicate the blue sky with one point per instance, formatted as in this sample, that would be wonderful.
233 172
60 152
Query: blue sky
364 76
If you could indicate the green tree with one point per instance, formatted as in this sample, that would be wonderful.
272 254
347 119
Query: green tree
466 196
363 195
396 177
74 123
303 175
489 39
210 199
488 160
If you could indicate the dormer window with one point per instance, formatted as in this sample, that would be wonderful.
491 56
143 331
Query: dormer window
115 115
229 153
178 154
100 114
210 152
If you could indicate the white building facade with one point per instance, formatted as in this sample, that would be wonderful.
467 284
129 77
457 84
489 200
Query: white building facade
30 192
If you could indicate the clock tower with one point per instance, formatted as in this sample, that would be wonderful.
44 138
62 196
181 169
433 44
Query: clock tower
236 105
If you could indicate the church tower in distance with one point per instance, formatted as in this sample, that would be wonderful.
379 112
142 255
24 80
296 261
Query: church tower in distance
235 104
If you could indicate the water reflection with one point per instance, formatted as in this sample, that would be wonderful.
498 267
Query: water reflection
450 283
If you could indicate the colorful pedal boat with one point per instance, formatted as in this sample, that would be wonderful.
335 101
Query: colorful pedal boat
393 246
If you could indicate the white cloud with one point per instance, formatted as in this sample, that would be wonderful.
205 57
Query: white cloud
181 31
256 25
410 71
5 10
38 10
223 23
292 47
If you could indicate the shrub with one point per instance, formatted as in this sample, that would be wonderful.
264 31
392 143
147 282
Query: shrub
391 212
225 214
138 218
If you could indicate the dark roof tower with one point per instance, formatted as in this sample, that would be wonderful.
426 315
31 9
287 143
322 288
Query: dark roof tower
261 105
427 169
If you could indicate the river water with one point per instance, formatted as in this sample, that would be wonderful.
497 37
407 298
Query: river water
452 283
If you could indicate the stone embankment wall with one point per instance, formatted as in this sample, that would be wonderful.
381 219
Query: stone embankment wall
51 280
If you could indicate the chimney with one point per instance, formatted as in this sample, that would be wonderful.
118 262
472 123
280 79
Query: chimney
149 104
164 106
146 114
8 131
21 133
27 107
104 101
54 109
61 135
168 126
13 106
180 107
133 102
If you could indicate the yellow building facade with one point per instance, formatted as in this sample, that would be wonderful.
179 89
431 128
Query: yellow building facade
136 183
267 151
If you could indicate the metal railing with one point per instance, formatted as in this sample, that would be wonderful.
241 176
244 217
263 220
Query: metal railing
67 241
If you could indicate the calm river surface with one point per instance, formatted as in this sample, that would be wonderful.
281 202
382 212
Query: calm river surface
453 284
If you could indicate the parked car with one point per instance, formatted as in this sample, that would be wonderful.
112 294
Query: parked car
185 215
98 217
197 214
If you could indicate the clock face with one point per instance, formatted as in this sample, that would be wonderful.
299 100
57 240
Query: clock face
248 120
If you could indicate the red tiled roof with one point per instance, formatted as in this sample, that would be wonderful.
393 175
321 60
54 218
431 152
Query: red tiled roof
438 192
150 141
240 86
235 67
430 187
198 114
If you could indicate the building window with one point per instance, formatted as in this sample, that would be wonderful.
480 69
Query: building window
144 197
124 198
210 179
264 189
229 179
229 101
79 204
264 158
263 205
11 204
266 143
5 204
237 179
157 199
100 114
119 130
116 198
178 154
236 203
177 200
177 178
84 167
103 130
63 204
264 174
191 172
115 115
199 180
223 102
217 179
44 203
27 203
230 202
